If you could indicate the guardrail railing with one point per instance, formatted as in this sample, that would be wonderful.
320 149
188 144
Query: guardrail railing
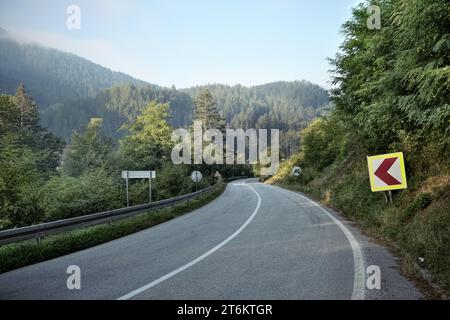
43 229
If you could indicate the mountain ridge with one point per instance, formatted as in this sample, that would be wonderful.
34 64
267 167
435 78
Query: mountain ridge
70 90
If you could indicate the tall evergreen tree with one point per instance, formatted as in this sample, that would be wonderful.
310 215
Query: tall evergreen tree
206 111
29 114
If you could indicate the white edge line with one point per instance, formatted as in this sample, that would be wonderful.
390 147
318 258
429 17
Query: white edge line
198 259
359 282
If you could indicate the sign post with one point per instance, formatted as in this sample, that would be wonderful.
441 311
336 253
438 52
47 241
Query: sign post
128 199
139 175
387 173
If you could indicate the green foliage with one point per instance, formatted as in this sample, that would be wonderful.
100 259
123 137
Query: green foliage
395 79
89 150
206 111
28 155
19 183
9 115
351 193
148 143
422 201
32 190
93 191
28 110
117 106
173 180
322 143
287 106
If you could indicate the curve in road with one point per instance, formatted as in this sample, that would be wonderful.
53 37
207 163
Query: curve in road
256 241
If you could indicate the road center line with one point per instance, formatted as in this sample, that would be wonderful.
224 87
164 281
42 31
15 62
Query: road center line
359 282
198 259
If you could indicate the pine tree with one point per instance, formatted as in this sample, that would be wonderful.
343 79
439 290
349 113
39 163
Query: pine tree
206 111
29 114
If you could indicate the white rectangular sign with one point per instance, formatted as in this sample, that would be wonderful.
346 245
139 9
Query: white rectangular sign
139 174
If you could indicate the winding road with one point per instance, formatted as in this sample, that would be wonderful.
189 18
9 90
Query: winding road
255 241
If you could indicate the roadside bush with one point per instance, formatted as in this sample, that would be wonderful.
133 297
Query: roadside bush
322 143
173 180
20 183
94 191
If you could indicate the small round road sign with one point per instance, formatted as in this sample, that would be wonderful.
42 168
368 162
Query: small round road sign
296 171
196 176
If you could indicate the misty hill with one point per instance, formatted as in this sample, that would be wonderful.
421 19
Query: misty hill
51 75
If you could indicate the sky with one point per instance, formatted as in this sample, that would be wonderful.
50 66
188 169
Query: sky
191 42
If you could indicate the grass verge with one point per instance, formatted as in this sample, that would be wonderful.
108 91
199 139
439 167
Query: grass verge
16 255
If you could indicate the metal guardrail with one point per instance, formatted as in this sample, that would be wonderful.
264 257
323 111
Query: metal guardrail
43 229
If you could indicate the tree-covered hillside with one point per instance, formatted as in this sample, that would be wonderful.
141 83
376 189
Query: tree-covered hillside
283 105
51 75
288 106
115 106
71 90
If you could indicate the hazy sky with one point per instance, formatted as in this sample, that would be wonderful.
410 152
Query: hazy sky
191 42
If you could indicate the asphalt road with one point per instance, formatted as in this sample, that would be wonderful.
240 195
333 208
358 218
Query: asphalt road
254 242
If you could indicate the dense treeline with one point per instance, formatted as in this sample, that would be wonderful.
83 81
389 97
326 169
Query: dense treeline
288 106
392 93
116 106
282 105
29 155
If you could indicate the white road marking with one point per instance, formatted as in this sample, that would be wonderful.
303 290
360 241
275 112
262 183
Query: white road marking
200 258
359 281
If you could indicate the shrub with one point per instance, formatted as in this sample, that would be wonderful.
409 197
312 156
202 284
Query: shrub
173 181
94 191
